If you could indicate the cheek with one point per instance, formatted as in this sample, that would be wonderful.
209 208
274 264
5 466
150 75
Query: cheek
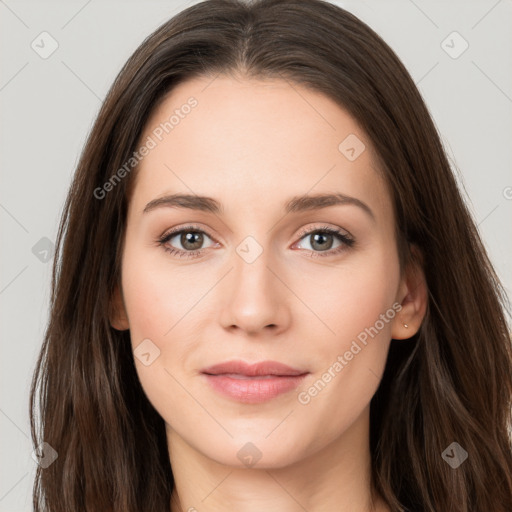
158 295
157 303
350 297
358 307
148 312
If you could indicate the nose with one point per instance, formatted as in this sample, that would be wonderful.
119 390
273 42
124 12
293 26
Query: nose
255 299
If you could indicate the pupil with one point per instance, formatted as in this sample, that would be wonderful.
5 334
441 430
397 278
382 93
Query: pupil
187 240
320 238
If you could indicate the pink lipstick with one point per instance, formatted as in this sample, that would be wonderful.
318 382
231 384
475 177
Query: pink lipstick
253 383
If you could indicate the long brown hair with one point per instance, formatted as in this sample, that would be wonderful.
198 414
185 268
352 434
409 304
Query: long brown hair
451 382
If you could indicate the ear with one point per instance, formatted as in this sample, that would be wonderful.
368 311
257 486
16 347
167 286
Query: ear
413 297
117 314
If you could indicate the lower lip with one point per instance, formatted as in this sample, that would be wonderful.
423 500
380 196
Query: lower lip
253 390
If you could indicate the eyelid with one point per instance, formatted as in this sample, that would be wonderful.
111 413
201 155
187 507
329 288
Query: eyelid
324 227
187 227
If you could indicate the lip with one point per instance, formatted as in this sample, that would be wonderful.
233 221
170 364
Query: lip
253 383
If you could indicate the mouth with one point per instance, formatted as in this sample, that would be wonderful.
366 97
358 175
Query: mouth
253 383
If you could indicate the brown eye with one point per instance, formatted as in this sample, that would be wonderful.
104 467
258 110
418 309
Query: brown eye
191 240
185 242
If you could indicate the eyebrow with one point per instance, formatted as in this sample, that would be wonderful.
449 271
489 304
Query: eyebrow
293 205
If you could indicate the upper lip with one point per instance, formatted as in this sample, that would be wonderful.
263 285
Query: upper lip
252 370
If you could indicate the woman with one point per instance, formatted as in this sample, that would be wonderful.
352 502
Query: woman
268 292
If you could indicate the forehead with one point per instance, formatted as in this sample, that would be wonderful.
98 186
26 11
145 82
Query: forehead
252 144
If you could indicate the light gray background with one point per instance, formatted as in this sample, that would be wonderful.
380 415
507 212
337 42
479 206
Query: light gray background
48 106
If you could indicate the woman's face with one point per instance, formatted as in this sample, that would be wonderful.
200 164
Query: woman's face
249 280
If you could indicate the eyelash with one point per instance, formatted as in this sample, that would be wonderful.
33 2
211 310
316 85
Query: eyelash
346 240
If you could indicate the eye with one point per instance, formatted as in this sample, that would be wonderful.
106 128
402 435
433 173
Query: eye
190 238
321 241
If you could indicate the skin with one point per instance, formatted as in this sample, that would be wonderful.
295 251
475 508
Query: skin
252 145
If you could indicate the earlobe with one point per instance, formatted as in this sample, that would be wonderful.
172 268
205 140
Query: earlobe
413 297
117 311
